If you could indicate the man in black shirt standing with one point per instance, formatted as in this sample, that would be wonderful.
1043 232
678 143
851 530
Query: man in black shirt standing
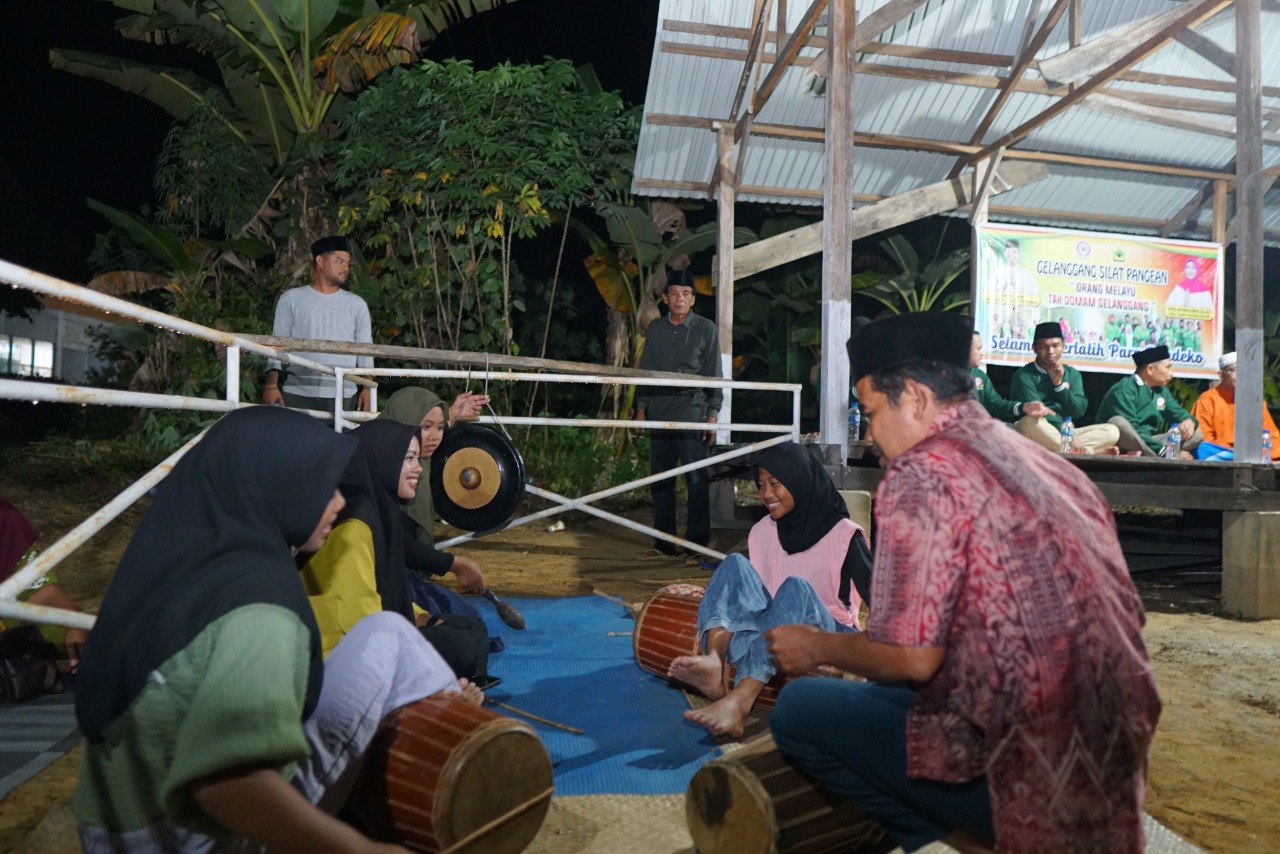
686 343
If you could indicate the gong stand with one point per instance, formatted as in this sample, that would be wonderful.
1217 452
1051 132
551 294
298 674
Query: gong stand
584 503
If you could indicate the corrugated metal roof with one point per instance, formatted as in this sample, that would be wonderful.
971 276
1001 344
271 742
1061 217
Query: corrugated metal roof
698 62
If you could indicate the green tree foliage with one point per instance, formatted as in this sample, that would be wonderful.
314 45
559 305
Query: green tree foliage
441 169
916 286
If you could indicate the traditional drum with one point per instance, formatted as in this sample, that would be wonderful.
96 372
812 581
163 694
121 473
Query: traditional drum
667 628
755 802
446 776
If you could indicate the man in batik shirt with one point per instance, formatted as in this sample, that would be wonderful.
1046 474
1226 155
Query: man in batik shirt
1009 701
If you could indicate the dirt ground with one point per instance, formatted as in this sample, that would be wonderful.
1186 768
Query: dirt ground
1214 777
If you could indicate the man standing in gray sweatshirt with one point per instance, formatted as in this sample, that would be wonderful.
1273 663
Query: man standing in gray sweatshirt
321 310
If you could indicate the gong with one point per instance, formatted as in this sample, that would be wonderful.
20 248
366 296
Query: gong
477 478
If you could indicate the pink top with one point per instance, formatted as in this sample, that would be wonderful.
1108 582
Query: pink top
820 566
1007 558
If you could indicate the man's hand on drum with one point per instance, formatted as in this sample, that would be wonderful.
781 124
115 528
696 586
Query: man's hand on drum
470 578
468 404
794 648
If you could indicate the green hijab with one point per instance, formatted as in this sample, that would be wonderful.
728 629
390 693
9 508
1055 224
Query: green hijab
410 406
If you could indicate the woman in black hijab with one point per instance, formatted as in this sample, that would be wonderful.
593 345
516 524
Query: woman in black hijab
208 710
361 568
807 563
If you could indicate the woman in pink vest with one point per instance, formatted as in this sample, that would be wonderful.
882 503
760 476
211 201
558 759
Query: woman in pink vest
807 563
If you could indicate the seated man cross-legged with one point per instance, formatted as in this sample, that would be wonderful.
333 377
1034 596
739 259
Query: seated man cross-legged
1215 411
1144 410
1061 388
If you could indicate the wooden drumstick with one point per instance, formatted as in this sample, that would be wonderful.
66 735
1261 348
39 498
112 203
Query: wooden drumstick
506 613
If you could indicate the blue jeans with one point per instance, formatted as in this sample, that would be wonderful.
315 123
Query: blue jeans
736 600
668 448
852 736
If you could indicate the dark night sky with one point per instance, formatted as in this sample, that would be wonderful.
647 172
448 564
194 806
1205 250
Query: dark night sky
65 138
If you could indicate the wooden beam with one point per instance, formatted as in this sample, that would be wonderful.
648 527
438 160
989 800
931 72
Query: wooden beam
1075 64
782 193
1208 49
888 213
1036 214
1191 14
755 47
1184 214
1015 74
940 146
1190 82
1169 118
983 178
1219 225
787 55
991 81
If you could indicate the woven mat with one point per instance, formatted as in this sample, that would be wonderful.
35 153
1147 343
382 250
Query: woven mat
618 824
655 824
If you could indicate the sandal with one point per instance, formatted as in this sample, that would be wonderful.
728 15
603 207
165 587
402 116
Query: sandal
654 553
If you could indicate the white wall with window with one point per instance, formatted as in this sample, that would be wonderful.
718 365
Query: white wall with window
53 343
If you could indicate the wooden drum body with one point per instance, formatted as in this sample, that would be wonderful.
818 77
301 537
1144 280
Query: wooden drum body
444 775
755 802
667 628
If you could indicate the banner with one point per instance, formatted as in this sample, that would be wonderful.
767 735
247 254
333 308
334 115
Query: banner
1113 295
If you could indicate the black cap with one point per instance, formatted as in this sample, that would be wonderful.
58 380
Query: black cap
1048 329
332 243
1142 358
683 278
927 336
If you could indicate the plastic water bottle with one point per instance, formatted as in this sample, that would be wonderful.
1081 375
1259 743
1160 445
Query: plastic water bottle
855 422
1068 432
1173 443
1266 447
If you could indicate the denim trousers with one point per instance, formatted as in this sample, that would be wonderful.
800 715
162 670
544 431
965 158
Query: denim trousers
852 736
736 600
667 449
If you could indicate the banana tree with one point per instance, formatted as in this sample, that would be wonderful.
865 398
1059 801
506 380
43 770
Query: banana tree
284 68
629 270
915 287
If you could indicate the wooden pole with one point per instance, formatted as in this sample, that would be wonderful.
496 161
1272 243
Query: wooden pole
837 234
725 196
1249 246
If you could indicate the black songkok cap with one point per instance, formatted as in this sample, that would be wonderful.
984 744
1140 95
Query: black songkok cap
927 336
333 243
684 278
1048 329
1149 355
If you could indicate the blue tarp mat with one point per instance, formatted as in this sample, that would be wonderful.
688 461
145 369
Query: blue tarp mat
565 667
34 734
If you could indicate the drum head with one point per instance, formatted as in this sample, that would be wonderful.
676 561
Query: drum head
477 478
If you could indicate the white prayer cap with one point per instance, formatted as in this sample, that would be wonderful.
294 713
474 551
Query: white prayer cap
1226 360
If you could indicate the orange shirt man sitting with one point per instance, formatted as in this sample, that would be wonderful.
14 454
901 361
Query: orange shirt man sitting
1216 412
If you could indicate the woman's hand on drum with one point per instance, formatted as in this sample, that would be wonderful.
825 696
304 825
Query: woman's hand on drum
470 578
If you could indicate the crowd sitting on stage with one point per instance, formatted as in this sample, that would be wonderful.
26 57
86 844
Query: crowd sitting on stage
1134 417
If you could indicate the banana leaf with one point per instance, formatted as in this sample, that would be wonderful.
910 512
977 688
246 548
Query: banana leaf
161 242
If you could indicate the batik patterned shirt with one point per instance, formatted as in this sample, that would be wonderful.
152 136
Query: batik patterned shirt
1007 558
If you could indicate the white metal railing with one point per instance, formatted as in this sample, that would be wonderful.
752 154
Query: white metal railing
41 391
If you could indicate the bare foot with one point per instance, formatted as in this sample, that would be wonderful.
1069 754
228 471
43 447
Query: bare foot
727 716
470 693
703 673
